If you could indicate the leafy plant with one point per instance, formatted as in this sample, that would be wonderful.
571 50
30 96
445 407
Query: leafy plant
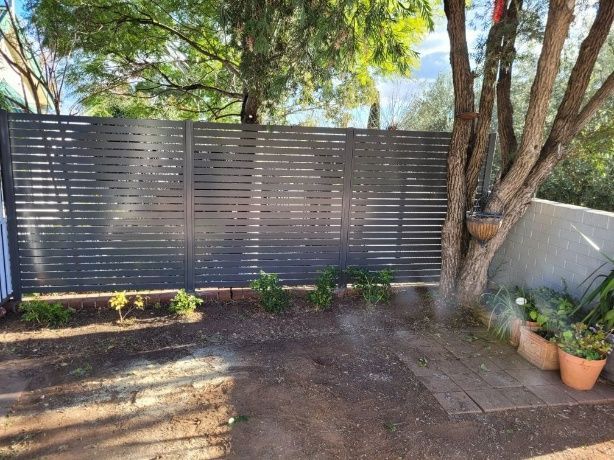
584 342
44 313
508 307
184 304
553 310
374 286
603 293
322 296
82 371
272 296
550 309
120 300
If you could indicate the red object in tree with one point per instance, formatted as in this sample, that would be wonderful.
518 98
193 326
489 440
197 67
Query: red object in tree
497 12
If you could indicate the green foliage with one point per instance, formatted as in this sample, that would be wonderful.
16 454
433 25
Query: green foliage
374 286
553 310
584 342
272 296
44 313
120 300
600 298
433 110
550 309
82 371
508 306
184 304
583 179
323 294
197 59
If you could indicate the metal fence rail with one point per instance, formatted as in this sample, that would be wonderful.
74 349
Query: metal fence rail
103 204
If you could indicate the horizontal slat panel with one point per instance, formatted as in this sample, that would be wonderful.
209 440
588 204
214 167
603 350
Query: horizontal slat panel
101 202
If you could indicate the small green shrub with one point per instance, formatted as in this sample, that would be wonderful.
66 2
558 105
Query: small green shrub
272 296
183 303
120 300
44 313
374 286
323 294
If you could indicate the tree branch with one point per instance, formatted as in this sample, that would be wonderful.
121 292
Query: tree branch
149 20
485 109
505 109
560 15
580 75
594 103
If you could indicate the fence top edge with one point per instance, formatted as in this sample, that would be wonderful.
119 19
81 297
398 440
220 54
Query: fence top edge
19 116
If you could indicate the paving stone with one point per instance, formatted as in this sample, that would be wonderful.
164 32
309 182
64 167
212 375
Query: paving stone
439 383
535 376
593 396
553 395
522 398
421 341
499 379
412 361
499 349
490 399
606 390
463 349
457 402
450 366
481 364
512 361
435 352
469 381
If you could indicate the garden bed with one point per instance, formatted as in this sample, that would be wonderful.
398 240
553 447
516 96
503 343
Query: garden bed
302 384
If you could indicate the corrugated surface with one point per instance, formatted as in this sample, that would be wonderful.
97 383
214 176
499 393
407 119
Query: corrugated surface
99 203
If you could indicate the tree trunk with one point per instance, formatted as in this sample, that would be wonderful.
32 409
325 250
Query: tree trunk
473 275
249 108
462 78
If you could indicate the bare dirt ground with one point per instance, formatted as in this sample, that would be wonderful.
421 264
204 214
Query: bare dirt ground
302 384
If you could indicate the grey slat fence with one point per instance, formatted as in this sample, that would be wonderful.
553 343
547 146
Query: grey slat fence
99 204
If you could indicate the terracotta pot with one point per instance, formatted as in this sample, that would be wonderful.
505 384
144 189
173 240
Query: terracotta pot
537 350
579 373
515 332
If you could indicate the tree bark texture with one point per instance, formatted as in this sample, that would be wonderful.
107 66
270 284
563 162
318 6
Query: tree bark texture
462 78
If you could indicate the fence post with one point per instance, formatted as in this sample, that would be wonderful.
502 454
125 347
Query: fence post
348 168
188 178
9 203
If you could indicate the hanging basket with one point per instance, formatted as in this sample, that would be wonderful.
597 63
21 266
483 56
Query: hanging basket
483 226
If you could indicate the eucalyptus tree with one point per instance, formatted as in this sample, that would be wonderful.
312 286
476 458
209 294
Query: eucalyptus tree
529 157
236 58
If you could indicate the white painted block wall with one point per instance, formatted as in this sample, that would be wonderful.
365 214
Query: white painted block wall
543 249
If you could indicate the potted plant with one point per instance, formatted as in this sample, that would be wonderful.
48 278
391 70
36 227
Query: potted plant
509 311
552 312
583 353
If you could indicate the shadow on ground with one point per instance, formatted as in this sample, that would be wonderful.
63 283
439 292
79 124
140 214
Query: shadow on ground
304 384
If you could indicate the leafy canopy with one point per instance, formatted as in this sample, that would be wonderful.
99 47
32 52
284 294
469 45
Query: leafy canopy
201 58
